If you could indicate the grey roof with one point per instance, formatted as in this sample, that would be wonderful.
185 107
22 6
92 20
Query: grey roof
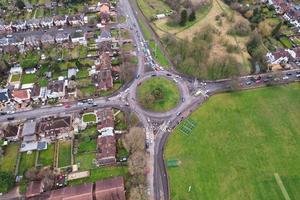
72 72
47 20
33 21
3 95
105 34
29 128
77 34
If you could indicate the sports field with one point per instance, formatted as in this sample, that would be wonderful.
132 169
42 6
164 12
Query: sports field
245 145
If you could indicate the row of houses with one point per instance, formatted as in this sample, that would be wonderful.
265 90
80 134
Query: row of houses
289 11
283 56
108 189
77 37
105 12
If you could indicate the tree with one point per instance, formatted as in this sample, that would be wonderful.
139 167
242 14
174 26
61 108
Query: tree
135 140
183 17
192 16
276 30
20 4
7 181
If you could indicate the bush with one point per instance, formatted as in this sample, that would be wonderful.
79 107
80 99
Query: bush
6 181
241 28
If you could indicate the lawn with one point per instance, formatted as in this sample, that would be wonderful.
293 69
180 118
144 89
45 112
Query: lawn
64 158
89 117
8 161
15 78
46 156
27 161
102 173
239 142
87 144
90 131
28 78
158 94
85 161
286 42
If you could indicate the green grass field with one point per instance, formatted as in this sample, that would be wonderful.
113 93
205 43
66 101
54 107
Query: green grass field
64 158
46 156
28 78
27 161
90 117
8 161
85 160
158 94
102 173
241 139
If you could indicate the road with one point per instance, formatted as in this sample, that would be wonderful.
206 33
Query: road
194 92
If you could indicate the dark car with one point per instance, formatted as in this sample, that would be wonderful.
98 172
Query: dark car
153 75
10 118
169 74
3 113
289 74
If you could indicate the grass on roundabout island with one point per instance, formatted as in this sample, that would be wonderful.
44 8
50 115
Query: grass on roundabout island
239 143
158 94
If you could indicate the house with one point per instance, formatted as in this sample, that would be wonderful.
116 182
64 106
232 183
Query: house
76 20
104 9
296 57
47 39
56 89
4 42
4 95
78 37
16 70
105 124
105 36
62 37
34 188
280 56
72 72
33 41
47 22
38 93
103 79
5 27
33 24
106 150
104 62
29 132
16 41
19 25
74 192
21 96
60 21
112 188
55 127
11 132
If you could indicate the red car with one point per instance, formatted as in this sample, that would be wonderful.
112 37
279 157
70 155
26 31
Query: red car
67 105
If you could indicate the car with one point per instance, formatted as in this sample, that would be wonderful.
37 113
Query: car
10 118
285 78
276 79
178 113
248 82
270 76
169 74
258 81
67 106
153 75
3 113
137 76
79 103
266 80
298 75
182 99
94 105
85 108
297 72
289 74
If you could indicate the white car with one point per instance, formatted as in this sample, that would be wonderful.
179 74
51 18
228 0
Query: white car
285 78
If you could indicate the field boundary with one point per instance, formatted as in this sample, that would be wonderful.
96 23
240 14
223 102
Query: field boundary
281 185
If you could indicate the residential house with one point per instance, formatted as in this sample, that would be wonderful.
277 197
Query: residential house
4 97
20 96
56 89
10 132
280 56
55 127
72 72
4 42
19 25
62 37
104 62
28 6
105 124
60 21
78 37
103 79
106 150
38 93
47 39
16 70
33 24
76 20
16 41
104 9
105 36
34 188
29 132
74 192
112 188
47 22
296 57
5 27
32 41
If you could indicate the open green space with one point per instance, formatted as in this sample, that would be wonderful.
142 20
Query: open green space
27 161
286 42
87 144
89 117
64 157
85 160
158 94
28 78
46 156
8 160
15 78
236 145
102 173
